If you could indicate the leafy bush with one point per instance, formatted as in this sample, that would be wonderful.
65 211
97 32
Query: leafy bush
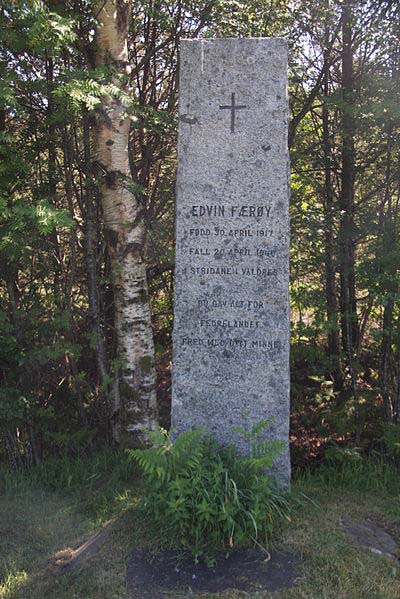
204 497
391 439
341 456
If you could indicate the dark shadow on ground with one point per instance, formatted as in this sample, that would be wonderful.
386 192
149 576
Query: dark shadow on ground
158 576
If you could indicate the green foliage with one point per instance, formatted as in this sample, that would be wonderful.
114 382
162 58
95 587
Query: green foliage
204 497
341 456
49 31
391 439
91 90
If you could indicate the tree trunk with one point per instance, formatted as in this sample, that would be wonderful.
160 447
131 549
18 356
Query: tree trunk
348 302
125 233
111 417
396 407
389 268
52 181
385 359
333 342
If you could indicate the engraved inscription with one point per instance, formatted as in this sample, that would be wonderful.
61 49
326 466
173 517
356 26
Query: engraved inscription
233 270
222 210
231 315
237 343
216 254
233 108
219 232
246 304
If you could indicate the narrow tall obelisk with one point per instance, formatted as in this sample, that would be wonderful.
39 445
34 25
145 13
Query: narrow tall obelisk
231 324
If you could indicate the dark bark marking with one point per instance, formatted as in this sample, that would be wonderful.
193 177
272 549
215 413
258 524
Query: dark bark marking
111 179
122 15
132 248
103 118
112 237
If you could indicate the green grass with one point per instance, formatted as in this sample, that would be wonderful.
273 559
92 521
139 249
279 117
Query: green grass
56 507
61 504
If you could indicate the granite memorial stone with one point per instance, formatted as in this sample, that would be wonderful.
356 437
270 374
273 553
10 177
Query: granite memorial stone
231 316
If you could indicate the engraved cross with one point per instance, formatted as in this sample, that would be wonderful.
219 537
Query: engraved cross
233 107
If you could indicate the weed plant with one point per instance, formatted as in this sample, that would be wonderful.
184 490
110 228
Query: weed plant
203 497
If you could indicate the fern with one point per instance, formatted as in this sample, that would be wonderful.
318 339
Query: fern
204 497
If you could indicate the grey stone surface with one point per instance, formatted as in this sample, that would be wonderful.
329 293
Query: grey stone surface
374 538
231 324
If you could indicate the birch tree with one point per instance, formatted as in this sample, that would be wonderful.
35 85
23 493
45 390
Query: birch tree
134 409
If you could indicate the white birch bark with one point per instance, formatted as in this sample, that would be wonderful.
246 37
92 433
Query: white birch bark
125 237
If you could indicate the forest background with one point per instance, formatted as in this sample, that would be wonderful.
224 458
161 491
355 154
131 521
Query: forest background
78 366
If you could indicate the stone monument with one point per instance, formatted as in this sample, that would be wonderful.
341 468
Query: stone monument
231 317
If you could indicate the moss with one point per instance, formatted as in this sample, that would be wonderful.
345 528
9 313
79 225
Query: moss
134 411
146 363
143 296
127 394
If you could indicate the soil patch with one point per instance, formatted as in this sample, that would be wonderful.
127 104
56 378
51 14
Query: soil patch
160 576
